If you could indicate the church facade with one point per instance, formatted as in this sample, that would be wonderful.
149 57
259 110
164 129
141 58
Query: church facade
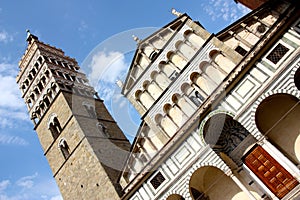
219 110
219 113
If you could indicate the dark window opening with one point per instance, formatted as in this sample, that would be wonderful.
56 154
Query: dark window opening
64 148
53 131
40 86
47 102
103 129
33 72
261 28
198 195
40 59
60 74
241 50
277 53
59 63
153 55
36 91
157 180
297 79
68 77
196 98
43 80
91 111
52 60
176 25
55 128
173 75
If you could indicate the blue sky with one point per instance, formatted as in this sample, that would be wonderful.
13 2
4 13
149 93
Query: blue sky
97 33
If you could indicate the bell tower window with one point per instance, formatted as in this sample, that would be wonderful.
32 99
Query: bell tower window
63 145
90 109
54 126
103 129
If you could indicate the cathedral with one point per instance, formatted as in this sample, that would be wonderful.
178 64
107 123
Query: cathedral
219 113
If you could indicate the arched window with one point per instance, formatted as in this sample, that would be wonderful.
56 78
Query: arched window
223 62
153 55
210 183
205 85
160 79
54 126
181 102
43 80
169 70
277 117
176 59
63 146
166 124
103 129
297 79
30 77
40 59
26 82
90 109
29 103
192 94
175 197
187 51
46 100
144 98
33 72
214 75
175 114
153 89
194 39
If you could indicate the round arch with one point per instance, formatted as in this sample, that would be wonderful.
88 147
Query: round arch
297 79
175 197
277 118
227 137
211 183
215 112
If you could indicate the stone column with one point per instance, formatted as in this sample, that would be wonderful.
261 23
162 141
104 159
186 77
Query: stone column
242 187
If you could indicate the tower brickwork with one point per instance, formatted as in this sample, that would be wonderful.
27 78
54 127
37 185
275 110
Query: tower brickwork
84 146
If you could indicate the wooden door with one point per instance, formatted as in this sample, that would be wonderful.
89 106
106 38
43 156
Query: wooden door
270 172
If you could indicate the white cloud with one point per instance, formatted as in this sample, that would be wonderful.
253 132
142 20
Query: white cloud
4 184
107 66
26 181
10 95
106 69
224 9
5 37
58 197
83 26
11 118
7 68
12 140
243 9
31 187
12 106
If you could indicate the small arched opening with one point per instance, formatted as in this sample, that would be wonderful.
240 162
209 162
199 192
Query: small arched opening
210 183
277 117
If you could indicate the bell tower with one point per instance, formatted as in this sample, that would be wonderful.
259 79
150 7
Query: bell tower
84 146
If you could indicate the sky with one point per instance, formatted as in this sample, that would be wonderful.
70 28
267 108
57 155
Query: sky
98 34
